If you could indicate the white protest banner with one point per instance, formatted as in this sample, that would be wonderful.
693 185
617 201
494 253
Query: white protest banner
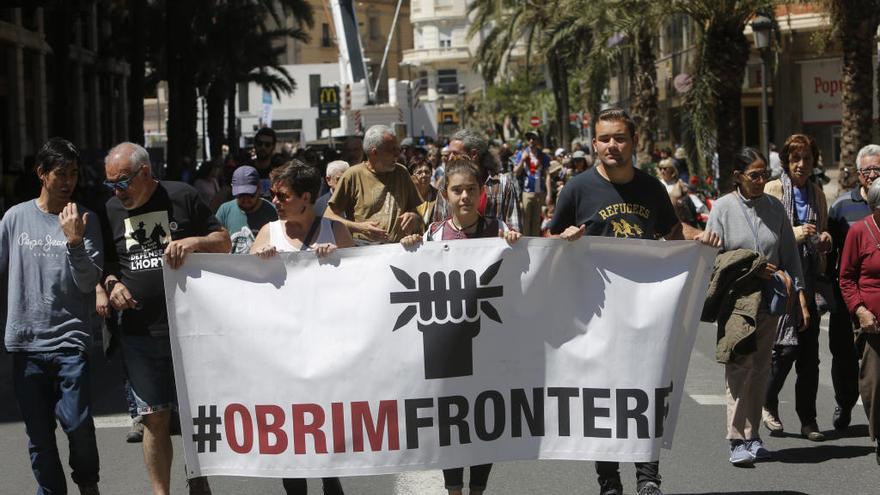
380 360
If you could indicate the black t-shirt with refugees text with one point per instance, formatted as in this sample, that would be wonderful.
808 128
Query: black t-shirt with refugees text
139 238
638 209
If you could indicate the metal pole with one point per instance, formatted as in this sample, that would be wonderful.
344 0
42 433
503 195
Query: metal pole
410 100
388 43
765 127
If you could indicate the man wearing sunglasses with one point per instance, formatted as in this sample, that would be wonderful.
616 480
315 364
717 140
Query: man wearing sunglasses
850 207
151 223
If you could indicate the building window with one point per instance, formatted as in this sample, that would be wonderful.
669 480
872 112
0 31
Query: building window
445 38
375 31
418 42
314 89
447 81
325 35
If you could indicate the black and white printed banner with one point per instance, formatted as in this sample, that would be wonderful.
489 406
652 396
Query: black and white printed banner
381 360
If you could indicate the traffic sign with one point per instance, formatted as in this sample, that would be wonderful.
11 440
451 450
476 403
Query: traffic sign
535 121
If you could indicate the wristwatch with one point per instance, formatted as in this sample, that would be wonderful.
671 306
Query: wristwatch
109 284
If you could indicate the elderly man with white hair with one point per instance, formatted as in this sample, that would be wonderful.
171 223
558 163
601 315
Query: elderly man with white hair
377 200
152 223
851 207
334 172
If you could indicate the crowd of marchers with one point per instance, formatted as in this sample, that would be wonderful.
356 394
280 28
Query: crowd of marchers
784 259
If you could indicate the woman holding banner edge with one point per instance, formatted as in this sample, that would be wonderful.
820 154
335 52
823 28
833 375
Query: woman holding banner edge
295 188
749 219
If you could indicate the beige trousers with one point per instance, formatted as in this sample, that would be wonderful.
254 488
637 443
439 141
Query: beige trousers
746 383
532 203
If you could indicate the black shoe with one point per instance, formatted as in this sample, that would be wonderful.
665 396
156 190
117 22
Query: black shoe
614 487
811 432
842 418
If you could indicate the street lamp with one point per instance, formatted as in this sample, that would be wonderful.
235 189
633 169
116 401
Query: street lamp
761 29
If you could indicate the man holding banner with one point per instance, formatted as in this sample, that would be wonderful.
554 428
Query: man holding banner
615 199
179 223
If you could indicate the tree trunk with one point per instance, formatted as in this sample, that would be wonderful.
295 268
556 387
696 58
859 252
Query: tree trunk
182 139
559 77
856 28
216 101
729 53
136 80
645 102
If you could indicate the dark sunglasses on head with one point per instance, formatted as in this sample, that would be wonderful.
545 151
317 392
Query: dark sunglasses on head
121 184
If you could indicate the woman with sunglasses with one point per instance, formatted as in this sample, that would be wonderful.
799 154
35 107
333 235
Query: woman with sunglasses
797 342
749 219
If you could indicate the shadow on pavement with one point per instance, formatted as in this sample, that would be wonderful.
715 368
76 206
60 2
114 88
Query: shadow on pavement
815 454
106 380
763 492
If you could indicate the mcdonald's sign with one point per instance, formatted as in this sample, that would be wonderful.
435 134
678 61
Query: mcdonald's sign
328 102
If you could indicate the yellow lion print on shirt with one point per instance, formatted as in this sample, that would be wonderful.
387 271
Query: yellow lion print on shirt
622 228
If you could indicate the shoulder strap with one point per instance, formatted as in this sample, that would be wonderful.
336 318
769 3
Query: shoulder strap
307 241
873 236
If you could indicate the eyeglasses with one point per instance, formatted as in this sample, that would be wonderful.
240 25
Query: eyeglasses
266 144
756 176
280 196
870 172
122 184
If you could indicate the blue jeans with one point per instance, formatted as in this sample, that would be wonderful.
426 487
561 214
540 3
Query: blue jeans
51 385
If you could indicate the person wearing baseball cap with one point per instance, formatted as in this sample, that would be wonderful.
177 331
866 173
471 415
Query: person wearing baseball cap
248 212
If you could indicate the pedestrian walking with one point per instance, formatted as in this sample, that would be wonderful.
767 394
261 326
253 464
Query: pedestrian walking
532 167
499 198
615 199
50 261
152 223
848 209
859 283
245 215
462 192
797 344
295 188
376 199
749 219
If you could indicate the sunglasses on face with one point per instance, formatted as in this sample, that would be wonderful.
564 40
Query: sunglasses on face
265 144
757 176
870 172
121 184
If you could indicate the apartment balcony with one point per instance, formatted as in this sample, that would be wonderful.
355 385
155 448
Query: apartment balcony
428 56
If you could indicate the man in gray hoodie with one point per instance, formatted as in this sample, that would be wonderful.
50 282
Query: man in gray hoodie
50 261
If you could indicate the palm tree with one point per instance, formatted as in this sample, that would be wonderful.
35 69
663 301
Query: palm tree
252 55
534 26
713 105
854 25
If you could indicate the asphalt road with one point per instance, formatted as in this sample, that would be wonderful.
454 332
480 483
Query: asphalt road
697 463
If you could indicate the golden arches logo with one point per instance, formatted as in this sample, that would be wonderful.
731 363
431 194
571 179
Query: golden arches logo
329 95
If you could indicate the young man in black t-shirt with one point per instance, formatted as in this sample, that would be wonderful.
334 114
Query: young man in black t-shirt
152 223
615 199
